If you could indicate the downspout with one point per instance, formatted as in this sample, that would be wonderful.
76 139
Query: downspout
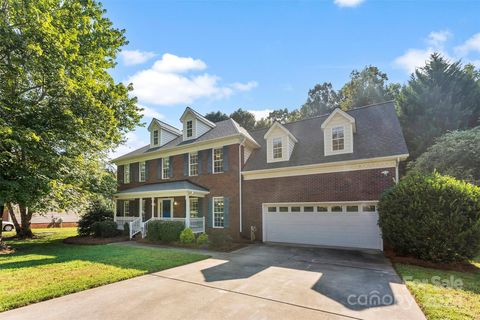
240 181
397 163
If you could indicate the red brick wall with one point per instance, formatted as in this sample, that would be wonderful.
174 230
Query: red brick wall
224 184
56 225
340 186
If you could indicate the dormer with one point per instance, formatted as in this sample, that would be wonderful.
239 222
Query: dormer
338 130
161 133
194 124
280 143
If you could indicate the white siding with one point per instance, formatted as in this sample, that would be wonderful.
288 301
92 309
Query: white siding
277 133
336 121
202 128
246 154
291 145
166 137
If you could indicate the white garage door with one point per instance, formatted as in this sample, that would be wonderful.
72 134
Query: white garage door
352 225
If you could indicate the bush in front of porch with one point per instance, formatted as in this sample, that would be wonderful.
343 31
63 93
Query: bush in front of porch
165 231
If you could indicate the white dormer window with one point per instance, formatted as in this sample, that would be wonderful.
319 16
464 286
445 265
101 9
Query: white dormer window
189 128
338 138
277 148
155 137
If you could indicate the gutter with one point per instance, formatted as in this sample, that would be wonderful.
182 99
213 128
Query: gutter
240 181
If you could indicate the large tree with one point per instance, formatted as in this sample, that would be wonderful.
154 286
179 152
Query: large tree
60 110
440 97
322 99
216 116
244 118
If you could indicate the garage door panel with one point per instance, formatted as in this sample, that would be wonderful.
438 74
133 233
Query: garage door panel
358 230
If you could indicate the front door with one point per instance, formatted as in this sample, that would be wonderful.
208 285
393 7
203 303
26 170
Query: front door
166 208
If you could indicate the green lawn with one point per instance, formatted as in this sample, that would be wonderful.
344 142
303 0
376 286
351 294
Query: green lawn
44 268
459 298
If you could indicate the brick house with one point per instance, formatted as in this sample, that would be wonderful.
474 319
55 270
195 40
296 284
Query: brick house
314 181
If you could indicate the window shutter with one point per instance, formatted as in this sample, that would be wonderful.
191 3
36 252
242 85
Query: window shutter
209 160
226 216
120 208
200 207
200 158
147 166
225 158
170 163
185 164
120 170
133 176
159 168
209 217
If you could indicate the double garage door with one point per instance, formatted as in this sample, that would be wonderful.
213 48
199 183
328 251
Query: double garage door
351 225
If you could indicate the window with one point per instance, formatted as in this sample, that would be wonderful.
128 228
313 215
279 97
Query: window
142 171
283 209
193 164
165 168
337 209
295 209
155 137
322 209
193 207
277 148
189 128
143 209
272 209
126 173
308 209
218 160
352 208
218 210
338 142
126 208
369 208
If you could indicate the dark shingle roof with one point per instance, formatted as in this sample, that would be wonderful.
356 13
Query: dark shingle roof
165 186
378 135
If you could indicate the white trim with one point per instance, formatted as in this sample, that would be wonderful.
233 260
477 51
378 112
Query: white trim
279 125
140 171
165 193
126 181
343 114
340 166
213 160
163 168
172 202
189 164
213 212
343 138
276 139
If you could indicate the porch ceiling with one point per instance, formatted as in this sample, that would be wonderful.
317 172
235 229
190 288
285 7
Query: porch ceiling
164 189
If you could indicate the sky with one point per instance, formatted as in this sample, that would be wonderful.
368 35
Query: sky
265 55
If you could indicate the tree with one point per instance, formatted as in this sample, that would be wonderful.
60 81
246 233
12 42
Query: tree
263 123
366 87
455 154
60 110
216 116
280 115
244 118
440 97
322 99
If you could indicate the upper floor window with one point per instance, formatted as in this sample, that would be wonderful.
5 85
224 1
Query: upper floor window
142 171
189 128
193 207
193 164
338 138
126 173
155 137
218 212
165 168
218 160
277 148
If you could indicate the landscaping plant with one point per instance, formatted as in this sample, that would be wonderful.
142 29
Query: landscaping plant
166 231
432 217
187 236
96 213
202 239
105 229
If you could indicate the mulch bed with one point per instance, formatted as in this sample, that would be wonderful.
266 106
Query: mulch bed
87 240
234 246
456 266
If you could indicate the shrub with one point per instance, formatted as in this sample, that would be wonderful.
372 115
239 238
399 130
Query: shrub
95 213
166 231
105 229
126 229
220 240
202 239
187 236
432 217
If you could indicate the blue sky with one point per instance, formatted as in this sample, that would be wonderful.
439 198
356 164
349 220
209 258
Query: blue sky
263 55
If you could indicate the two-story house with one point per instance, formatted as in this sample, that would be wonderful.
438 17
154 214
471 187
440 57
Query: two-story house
316 181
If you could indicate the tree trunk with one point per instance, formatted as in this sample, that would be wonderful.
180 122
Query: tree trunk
23 228
2 207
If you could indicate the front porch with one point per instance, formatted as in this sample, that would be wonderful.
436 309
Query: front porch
171 201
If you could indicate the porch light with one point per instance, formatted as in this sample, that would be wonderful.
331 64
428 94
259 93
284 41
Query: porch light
175 203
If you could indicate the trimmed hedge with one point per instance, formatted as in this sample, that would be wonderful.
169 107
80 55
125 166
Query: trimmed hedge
432 217
105 229
166 231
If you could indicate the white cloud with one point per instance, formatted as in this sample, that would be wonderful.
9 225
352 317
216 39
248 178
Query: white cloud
133 142
471 45
134 57
438 38
169 81
348 3
259 114
413 58
151 113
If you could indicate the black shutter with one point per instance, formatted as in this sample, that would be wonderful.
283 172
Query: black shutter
170 163
185 164
226 215
132 171
159 168
200 207
147 166
200 157
225 158
209 160
120 170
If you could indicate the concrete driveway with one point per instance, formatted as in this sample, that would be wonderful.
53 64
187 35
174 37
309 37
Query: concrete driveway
256 282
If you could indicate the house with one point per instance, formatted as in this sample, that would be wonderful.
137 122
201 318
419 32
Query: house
48 219
315 181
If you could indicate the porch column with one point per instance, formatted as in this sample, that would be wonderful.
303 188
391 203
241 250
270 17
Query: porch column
187 211
140 212
153 207
114 209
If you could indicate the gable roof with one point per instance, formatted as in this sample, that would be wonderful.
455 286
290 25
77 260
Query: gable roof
164 126
341 113
198 116
277 124
378 135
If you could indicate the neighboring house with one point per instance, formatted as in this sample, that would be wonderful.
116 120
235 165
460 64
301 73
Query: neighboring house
49 219
315 181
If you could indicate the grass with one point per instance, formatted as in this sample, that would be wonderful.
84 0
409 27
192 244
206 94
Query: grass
444 294
45 268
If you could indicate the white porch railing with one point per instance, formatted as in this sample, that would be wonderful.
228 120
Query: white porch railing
136 226
121 221
196 224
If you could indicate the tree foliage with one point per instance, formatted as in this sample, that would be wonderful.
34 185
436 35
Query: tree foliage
244 118
216 116
455 154
60 110
440 97
322 99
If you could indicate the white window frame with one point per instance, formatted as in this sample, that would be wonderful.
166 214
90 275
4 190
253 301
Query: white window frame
126 208
327 205
217 161
187 129
342 139
157 132
142 166
165 169
192 164
217 212
192 206
126 173
276 140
